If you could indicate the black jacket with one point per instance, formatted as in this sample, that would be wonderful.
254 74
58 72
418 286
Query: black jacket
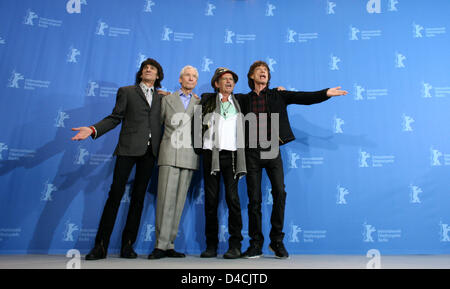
276 102
138 120
207 105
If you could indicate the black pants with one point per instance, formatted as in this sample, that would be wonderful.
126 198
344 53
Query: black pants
124 164
212 189
274 170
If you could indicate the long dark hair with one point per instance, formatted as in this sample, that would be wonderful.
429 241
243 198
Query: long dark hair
251 82
155 64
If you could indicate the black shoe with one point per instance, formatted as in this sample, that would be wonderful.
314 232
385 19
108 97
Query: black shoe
252 252
210 252
279 250
174 254
128 252
97 253
232 253
157 254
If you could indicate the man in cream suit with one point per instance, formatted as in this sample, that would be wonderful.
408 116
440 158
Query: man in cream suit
177 162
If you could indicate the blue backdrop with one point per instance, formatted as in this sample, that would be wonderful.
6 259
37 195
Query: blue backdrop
367 170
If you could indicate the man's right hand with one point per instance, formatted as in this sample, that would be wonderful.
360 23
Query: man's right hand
83 133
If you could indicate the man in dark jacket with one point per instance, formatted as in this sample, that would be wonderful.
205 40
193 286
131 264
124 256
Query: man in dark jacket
138 108
269 106
218 135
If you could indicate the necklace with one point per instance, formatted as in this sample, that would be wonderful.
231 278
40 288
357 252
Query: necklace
225 109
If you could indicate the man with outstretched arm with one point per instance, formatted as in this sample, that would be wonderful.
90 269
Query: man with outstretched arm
262 151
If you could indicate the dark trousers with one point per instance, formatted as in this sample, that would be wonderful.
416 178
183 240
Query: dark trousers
124 164
212 189
274 170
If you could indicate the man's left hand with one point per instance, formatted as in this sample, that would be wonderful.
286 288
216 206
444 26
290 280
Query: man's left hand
162 92
335 91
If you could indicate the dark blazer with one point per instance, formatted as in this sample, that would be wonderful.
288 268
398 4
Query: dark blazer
138 120
207 105
276 102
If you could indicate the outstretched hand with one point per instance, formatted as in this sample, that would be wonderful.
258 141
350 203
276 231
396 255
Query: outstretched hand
162 92
83 133
335 91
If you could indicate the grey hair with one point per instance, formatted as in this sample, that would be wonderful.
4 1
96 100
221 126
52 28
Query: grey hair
183 70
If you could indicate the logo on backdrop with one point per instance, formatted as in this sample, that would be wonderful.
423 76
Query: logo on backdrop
363 158
228 36
418 31
358 91
376 160
436 157
148 5
103 29
330 7
309 236
293 36
209 9
3 147
239 38
149 229
414 194
338 123
74 6
9 233
29 18
206 62
341 193
334 60
126 195
269 9
407 121
101 26
427 88
368 230
223 228
392 5
14 79
166 33
177 36
70 229
444 230
354 33
104 91
46 194
141 58
271 62
361 93
269 199
2 41
399 60
80 158
200 197
383 235
72 55
293 234
293 157
59 121
290 36
29 84
92 85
